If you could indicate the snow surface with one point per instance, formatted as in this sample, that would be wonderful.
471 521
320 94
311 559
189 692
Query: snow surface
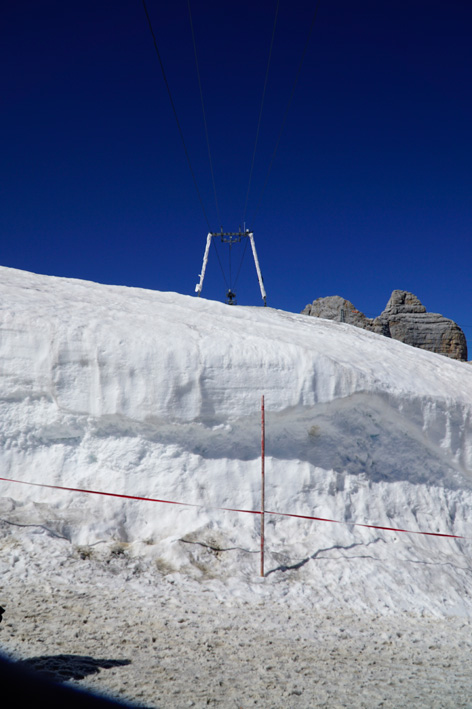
158 395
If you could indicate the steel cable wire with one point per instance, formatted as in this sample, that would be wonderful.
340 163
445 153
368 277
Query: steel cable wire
260 111
287 108
204 114
175 113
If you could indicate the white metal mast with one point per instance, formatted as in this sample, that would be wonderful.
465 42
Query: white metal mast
231 237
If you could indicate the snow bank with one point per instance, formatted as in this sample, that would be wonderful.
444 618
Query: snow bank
158 395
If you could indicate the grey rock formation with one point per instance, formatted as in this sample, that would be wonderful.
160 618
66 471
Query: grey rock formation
336 308
405 318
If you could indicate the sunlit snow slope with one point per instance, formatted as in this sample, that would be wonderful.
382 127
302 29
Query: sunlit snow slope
158 395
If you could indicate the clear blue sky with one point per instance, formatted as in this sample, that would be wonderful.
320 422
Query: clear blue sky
370 189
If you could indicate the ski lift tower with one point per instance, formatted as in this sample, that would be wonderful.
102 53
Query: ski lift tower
231 238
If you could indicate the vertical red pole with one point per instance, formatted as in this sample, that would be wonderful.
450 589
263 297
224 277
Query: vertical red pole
262 482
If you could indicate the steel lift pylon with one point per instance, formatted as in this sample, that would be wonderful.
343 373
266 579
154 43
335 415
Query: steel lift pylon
231 237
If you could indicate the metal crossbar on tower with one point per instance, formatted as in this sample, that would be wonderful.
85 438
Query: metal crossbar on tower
231 238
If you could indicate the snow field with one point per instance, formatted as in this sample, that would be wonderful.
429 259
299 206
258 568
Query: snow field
157 395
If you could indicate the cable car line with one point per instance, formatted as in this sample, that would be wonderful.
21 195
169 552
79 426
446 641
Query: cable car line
229 266
260 111
228 287
204 113
234 237
175 113
241 263
287 108
221 266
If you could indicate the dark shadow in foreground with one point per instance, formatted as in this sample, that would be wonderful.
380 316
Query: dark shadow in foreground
60 668
27 688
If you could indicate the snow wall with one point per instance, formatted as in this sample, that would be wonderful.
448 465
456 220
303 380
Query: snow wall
158 395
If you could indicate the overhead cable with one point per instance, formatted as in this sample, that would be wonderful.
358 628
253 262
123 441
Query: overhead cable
260 111
175 114
204 113
221 265
288 107
240 264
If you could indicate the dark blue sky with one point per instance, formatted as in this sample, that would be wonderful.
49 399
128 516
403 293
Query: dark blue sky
370 189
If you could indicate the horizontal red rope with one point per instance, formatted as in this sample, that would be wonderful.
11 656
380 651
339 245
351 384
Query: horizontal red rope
369 526
128 497
231 509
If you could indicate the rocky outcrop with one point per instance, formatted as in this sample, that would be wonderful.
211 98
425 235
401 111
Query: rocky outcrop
336 308
405 318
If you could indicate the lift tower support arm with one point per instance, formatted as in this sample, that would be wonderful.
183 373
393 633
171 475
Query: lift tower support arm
231 237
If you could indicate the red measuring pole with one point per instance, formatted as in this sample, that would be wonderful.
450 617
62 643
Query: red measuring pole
262 482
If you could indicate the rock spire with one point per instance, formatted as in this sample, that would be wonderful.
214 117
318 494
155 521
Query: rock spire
405 318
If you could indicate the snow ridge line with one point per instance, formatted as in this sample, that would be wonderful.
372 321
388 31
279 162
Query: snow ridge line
231 509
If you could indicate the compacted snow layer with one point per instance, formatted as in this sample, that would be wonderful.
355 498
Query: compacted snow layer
158 395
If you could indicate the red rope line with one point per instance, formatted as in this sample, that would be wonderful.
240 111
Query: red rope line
232 509
369 526
128 497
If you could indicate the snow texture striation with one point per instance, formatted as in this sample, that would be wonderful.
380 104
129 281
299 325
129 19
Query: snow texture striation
158 395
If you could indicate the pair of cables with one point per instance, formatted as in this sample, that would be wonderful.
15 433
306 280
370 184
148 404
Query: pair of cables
279 136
